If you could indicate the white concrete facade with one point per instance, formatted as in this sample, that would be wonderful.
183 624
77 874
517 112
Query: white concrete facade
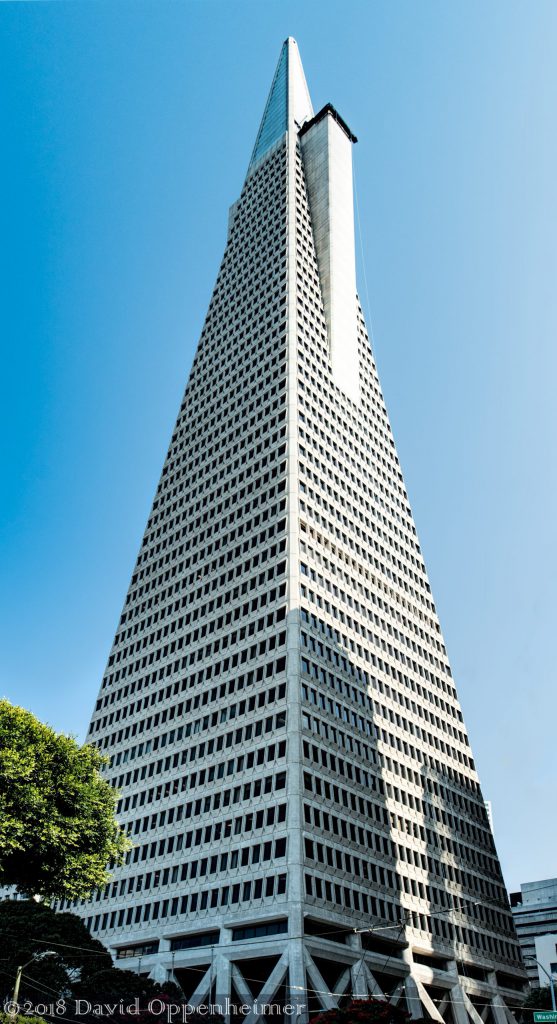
546 955
278 706
327 154
534 910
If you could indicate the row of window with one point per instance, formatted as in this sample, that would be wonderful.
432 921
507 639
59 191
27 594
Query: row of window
268 887
201 699
404 530
240 569
259 498
189 681
162 610
330 527
349 862
248 399
350 898
229 414
424 606
226 862
334 762
457 824
216 832
249 535
218 770
184 639
331 791
194 726
323 701
448 749
221 599
243 734
167 517
463 881
339 738
370 539
361 627
403 746
215 799
361 487
463 854
232 473
351 830
207 452
397 606
246 482
235 684
388 483
260 414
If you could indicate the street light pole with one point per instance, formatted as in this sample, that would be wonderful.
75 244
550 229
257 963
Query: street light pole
15 995
20 970
528 956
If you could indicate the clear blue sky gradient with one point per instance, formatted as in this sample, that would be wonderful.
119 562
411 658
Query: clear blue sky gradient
126 133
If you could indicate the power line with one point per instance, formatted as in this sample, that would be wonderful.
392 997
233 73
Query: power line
43 988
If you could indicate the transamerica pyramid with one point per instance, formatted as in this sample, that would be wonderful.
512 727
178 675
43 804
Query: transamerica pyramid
278 707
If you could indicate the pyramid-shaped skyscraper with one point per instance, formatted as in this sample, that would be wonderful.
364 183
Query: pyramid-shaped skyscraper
278 707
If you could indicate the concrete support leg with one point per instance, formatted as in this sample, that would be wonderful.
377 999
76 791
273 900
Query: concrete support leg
359 981
427 1001
223 985
297 988
497 1005
373 986
344 982
267 996
316 980
458 1005
470 1008
413 1001
202 993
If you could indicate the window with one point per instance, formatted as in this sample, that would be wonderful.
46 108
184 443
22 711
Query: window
260 930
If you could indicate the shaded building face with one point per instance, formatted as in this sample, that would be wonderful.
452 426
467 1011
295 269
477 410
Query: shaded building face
278 707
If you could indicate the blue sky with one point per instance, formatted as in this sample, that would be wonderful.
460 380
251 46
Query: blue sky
126 133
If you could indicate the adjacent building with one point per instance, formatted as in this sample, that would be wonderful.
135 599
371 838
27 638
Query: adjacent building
534 910
278 707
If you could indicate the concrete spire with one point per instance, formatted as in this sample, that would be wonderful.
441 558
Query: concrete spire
288 104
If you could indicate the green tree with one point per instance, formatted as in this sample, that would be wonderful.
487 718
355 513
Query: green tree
364 1011
8 1018
28 929
82 968
537 999
57 827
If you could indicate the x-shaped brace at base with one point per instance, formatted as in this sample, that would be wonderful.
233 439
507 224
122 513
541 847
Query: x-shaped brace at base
325 997
428 1002
204 987
241 985
273 982
471 1009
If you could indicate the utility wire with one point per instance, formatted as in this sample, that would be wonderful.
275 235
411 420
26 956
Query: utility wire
307 990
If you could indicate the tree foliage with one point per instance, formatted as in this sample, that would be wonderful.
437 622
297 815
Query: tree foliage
57 825
364 1011
28 929
9 1018
537 999
82 968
